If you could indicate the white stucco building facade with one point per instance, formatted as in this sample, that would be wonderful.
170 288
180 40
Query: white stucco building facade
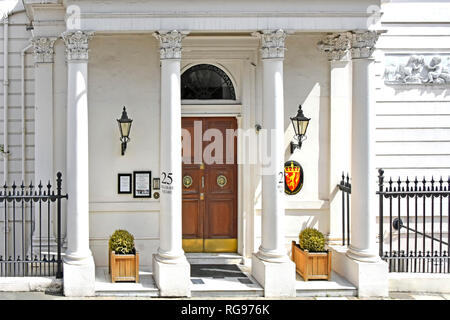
70 66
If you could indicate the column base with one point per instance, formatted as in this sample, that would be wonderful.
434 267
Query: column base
277 278
371 278
362 255
172 279
79 277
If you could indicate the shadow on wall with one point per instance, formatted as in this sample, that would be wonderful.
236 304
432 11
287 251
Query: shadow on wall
303 221
436 90
306 76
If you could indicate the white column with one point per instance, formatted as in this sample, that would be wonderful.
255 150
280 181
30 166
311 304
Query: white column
336 47
272 237
363 206
79 269
360 264
271 266
43 123
170 267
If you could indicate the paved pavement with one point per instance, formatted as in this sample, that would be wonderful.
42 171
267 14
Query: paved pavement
53 296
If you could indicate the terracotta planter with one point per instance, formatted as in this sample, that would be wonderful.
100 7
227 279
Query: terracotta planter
124 267
311 265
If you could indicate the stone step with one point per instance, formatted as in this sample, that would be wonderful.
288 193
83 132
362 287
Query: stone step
214 258
327 293
127 293
336 287
228 293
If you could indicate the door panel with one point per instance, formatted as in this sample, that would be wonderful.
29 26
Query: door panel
210 186
191 226
219 221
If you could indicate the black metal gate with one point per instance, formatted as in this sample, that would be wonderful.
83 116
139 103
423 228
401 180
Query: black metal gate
346 188
28 251
418 224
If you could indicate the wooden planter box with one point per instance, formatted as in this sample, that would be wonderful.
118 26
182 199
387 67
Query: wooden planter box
311 265
124 267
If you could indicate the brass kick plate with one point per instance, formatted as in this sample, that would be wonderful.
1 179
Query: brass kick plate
192 245
210 245
220 245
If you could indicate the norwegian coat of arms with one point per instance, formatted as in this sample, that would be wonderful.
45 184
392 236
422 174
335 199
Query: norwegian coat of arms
293 177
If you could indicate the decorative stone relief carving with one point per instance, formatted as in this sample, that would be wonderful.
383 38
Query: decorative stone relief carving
336 45
272 43
170 44
417 69
43 49
77 44
363 43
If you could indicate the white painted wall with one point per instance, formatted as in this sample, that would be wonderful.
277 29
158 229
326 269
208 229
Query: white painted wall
123 70
306 82
412 123
18 40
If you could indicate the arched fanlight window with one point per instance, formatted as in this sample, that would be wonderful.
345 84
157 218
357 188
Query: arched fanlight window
205 81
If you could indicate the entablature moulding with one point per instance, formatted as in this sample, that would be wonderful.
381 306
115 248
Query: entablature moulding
202 15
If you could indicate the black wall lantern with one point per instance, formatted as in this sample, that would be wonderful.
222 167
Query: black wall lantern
300 124
124 127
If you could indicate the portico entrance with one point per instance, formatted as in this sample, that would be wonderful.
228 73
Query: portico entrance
209 190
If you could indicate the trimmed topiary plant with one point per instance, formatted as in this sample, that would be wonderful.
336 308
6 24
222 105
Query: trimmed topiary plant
312 240
311 259
123 258
121 242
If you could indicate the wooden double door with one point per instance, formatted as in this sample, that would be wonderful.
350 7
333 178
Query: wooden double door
209 184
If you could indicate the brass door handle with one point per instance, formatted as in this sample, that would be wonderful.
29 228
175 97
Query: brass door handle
203 182
202 196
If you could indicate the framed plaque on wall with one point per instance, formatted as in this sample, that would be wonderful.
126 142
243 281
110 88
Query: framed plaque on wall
142 184
124 183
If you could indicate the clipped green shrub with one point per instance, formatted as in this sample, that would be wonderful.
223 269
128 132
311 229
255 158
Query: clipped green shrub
122 242
312 240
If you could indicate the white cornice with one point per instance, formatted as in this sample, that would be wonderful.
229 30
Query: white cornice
103 18
45 11
162 14
221 23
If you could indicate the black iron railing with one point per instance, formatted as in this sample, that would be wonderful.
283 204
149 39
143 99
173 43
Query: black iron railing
346 189
27 251
418 224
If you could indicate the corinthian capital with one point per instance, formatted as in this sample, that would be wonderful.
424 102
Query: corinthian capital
170 44
43 49
77 44
272 43
336 45
363 43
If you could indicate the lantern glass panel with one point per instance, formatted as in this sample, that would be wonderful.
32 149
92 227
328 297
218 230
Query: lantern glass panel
303 125
125 129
